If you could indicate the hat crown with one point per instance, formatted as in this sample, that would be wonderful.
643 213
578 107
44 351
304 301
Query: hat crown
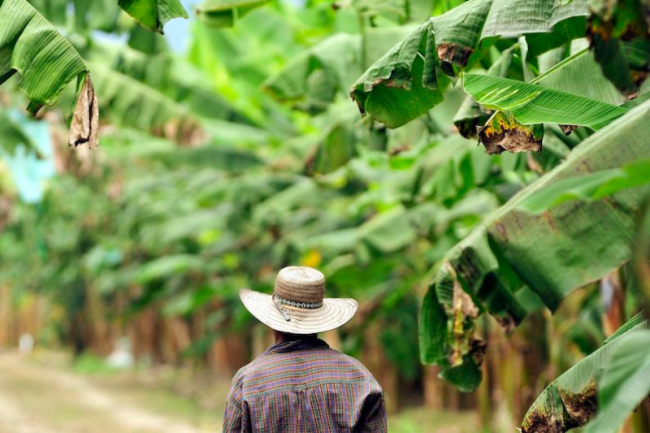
300 284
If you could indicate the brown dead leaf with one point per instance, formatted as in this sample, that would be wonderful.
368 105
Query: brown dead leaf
85 120
502 132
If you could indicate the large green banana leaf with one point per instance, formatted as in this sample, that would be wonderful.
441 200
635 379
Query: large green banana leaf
33 48
395 90
131 103
570 400
578 74
591 186
552 254
153 14
533 104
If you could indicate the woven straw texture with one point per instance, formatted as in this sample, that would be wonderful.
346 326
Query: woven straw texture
299 284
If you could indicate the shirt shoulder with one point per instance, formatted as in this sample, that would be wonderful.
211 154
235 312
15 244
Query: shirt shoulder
304 368
357 365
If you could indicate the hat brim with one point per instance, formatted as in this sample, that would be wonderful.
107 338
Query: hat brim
334 313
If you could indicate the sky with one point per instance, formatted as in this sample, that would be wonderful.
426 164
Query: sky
177 31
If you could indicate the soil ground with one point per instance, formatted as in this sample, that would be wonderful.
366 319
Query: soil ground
44 394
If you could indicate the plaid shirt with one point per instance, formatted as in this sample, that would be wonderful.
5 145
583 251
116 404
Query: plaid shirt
304 386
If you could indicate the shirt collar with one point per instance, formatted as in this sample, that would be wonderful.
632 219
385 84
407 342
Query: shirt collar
296 345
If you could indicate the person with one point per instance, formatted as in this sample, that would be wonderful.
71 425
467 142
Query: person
300 384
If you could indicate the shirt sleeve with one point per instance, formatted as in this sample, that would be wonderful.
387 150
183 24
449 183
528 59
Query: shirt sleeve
375 413
236 417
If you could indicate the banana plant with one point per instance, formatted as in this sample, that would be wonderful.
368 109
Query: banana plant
511 263
604 387
407 81
46 63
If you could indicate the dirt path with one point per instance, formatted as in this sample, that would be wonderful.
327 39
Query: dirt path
36 399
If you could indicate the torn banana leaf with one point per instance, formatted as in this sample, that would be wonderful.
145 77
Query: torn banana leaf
224 13
577 395
395 89
454 40
514 252
531 103
154 14
33 48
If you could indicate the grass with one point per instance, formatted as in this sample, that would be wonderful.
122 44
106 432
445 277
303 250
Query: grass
423 420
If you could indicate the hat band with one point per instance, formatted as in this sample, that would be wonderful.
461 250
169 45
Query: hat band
307 305
281 301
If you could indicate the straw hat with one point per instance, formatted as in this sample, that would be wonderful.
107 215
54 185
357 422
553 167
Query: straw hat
297 305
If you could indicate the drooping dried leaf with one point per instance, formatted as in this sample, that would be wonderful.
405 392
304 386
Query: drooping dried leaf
84 126
502 132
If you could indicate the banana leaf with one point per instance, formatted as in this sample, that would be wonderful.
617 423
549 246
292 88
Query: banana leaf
625 383
551 254
574 397
224 13
591 186
578 75
131 103
229 159
332 65
88 15
336 58
471 115
404 83
533 104
153 14
33 48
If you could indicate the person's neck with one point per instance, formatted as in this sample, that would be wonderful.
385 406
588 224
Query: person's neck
281 337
